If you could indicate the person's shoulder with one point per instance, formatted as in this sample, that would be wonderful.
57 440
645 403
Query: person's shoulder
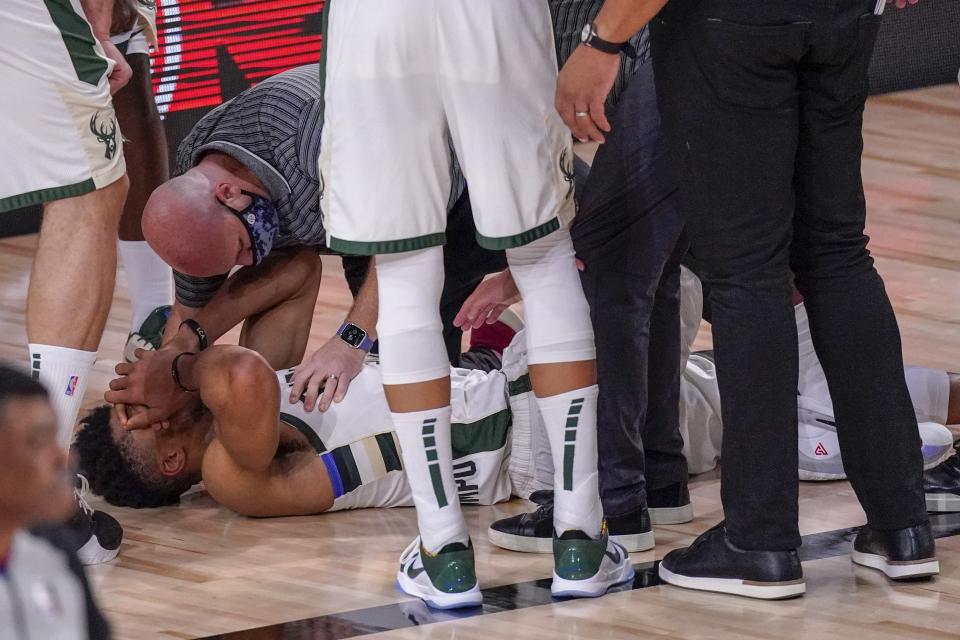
50 540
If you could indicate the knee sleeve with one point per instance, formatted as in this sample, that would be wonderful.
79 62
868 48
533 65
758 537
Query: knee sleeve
555 309
409 328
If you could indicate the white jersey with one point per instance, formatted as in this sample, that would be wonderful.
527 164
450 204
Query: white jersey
355 438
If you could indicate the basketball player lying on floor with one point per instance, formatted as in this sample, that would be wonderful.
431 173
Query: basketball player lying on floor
260 455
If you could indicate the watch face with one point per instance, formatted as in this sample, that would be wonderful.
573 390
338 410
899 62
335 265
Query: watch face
585 34
353 335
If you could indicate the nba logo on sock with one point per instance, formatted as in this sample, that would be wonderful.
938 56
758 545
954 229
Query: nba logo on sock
71 385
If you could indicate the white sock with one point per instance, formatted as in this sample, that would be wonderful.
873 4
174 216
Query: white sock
571 421
149 280
65 373
428 460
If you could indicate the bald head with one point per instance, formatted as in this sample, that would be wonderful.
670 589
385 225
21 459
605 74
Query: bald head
189 227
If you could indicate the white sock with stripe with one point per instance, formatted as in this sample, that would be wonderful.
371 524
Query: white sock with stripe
571 422
428 459
65 373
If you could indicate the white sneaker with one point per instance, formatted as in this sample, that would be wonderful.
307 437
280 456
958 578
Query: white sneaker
98 532
588 568
149 336
445 580
819 447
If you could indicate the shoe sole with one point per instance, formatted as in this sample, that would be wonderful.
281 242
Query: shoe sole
92 553
561 588
671 515
943 502
735 586
633 543
437 600
897 570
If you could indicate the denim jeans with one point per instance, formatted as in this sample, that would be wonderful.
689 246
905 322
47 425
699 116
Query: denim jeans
762 107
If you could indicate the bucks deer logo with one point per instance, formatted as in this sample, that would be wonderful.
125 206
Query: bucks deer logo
566 167
105 134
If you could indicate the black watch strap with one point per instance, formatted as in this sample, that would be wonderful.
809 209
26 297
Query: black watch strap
197 330
614 48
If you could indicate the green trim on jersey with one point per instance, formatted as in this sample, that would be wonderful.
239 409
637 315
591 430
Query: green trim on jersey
486 434
46 195
78 38
305 429
520 239
520 386
351 247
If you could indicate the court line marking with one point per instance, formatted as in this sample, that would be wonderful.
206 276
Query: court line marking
510 597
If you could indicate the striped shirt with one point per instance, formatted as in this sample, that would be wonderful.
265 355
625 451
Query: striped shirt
569 17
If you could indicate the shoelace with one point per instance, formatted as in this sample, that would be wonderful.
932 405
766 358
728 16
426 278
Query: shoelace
81 494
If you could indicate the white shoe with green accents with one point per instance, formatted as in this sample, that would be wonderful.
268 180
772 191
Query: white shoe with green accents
149 336
588 568
445 580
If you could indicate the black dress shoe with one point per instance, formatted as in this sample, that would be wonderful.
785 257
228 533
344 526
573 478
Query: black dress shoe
902 554
942 485
713 563
670 505
533 532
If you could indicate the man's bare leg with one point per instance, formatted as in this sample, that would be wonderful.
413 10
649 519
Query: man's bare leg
71 290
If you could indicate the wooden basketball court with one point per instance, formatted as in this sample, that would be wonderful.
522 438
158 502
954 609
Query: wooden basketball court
196 570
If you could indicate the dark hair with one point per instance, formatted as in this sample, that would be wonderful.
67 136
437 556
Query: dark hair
14 383
117 473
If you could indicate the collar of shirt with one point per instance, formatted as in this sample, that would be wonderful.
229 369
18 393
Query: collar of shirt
272 179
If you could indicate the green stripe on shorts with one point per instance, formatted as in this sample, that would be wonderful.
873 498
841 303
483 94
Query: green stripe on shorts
46 195
351 247
78 38
520 239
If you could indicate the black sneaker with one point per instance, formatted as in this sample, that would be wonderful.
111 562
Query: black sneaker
98 533
527 532
902 554
712 563
533 532
942 485
632 530
670 505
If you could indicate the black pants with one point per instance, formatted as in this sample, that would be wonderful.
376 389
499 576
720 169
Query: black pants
762 105
628 232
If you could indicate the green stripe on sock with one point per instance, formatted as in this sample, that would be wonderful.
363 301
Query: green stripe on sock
438 485
568 451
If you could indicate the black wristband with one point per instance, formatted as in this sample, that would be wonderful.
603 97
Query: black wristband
176 374
197 330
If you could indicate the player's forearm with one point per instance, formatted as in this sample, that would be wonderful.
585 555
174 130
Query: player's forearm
365 307
619 20
99 14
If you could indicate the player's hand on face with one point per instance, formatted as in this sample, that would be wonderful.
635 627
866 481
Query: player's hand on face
488 301
147 382
325 376
121 73
582 87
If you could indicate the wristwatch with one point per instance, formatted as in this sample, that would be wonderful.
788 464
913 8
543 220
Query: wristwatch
590 38
355 337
